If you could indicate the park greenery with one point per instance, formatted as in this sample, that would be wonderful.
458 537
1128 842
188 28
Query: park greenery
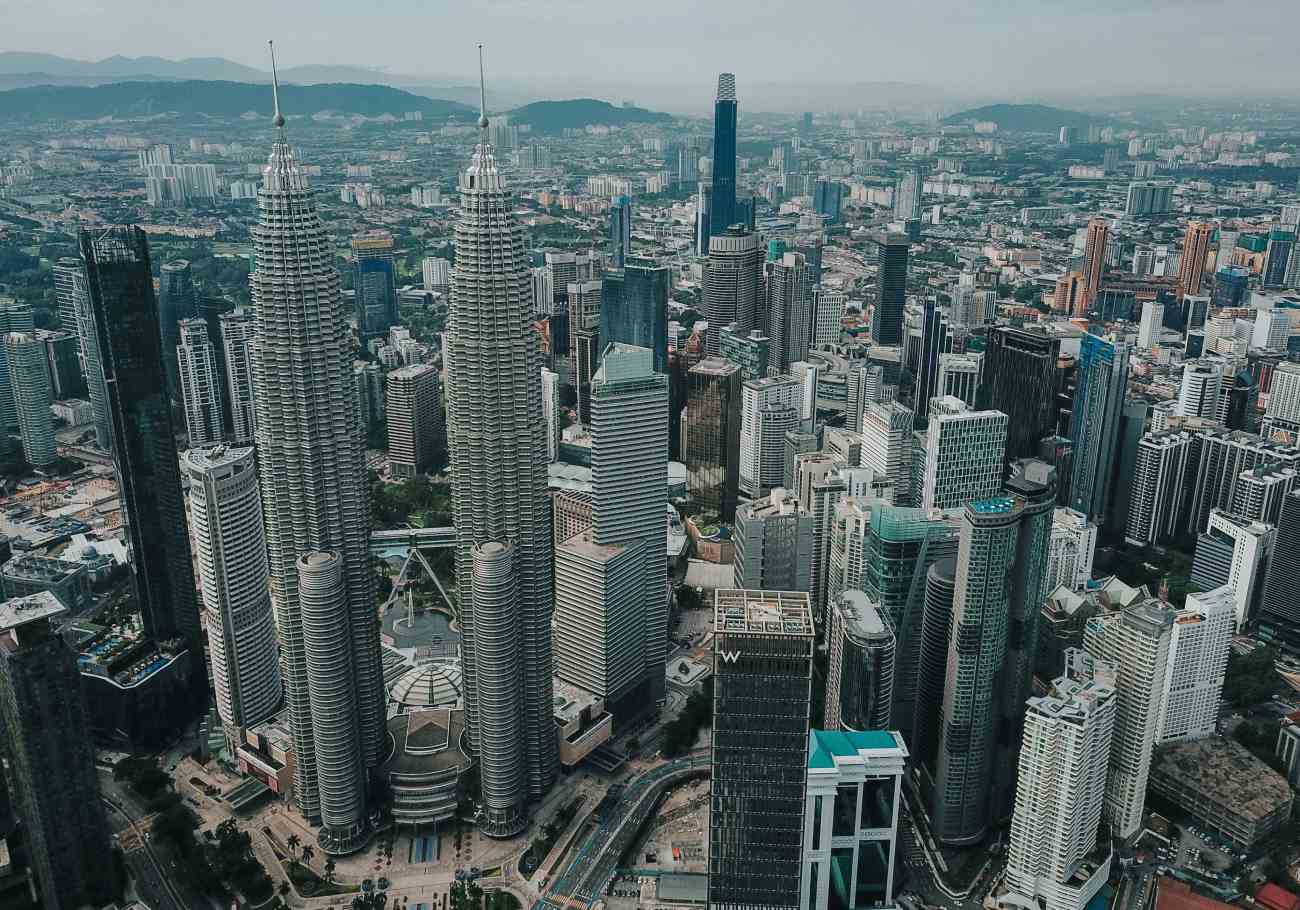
417 502
1251 678
679 734
469 896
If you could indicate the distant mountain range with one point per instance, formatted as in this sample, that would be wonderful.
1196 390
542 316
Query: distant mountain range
554 116
190 99
1026 118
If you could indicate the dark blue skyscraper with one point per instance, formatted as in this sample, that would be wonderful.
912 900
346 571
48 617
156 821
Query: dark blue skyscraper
634 309
620 231
935 340
1101 379
374 282
827 195
891 283
723 213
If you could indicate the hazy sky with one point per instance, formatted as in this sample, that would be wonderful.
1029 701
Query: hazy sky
1016 47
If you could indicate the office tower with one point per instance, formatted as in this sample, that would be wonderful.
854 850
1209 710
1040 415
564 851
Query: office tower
939 588
769 407
374 283
1271 331
1135 642
584 340
774 544
1069 297
1151 325
497 442
1102 377
789 312
1277 257
959 376
1001 559
551 413
828 318
733 284
891 289
629 483
1283 410
1234 552
125 322
936 340
798 443
63 359
1149 197
762 688
236 338
436 274
1054 858
1230 285
863 385
90 360
855 782
200 385
1198 393
713 436
887 446
65 271
688 162
827 196
963 454
722 214
50 757
177 300
703 203
860 672
1094 261
634 308
1020 380
620 231
230 546
806 373
1196 245
1279 614
30 380
415 432
1156 487
907 195
311 465
1198 659
751 352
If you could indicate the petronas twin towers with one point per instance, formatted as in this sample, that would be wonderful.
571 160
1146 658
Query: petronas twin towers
315 498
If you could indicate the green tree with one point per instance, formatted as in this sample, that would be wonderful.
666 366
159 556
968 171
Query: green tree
1251 678
329 870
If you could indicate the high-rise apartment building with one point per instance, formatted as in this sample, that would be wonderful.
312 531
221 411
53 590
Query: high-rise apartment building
497 440
1196 247
1135 642
722 213
1069 297
907 194
769 408
1199 389
65 294
1157 482
1020 380
887 446
1094 261
200 388
415 429
29 378
862 386
789 312
762 687
236 338
311 465
50 758
891 289
15 316
774 544
1151 325
1279 615
713 435
634 308
230 545
1149 197
374 283
1054 858
1234 552
963 454
733 285
1101 381
124 317
1198 659
828 319
862 646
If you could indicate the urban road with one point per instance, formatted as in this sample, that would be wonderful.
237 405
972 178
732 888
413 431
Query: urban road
616 825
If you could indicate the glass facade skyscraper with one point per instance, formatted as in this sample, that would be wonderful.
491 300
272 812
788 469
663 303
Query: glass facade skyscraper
1019 379
891 289
713 435
1101 380
374 283
722 212
620 231
176 301
634 308
129 347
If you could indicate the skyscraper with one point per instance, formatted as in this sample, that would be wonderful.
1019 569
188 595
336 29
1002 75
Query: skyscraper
723 210
891 289
374 282
774 544
634 308
1094 260
935 342
863 648
92 363
314 496
1196 247
176 301
30 380
620 231
1199 644
789 312
762 687
230 546
415 431
907 194
963 455
236 337
65 271
1001 560
887 446
200 387
584 340
124 316
733 284
827 195
1102 378
1279 615
14 317
769 407
50 756
713 435
497 439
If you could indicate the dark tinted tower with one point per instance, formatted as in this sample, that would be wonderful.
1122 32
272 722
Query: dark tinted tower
1020 381
891 278
723 212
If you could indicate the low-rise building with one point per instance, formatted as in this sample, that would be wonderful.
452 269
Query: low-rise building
30 573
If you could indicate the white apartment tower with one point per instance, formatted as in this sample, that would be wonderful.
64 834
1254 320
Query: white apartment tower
964 452
200 383
769 407
236 338
887 445
29 379
1198 395
1198 658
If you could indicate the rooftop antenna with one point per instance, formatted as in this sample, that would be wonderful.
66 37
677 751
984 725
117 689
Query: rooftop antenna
278 119
482 88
